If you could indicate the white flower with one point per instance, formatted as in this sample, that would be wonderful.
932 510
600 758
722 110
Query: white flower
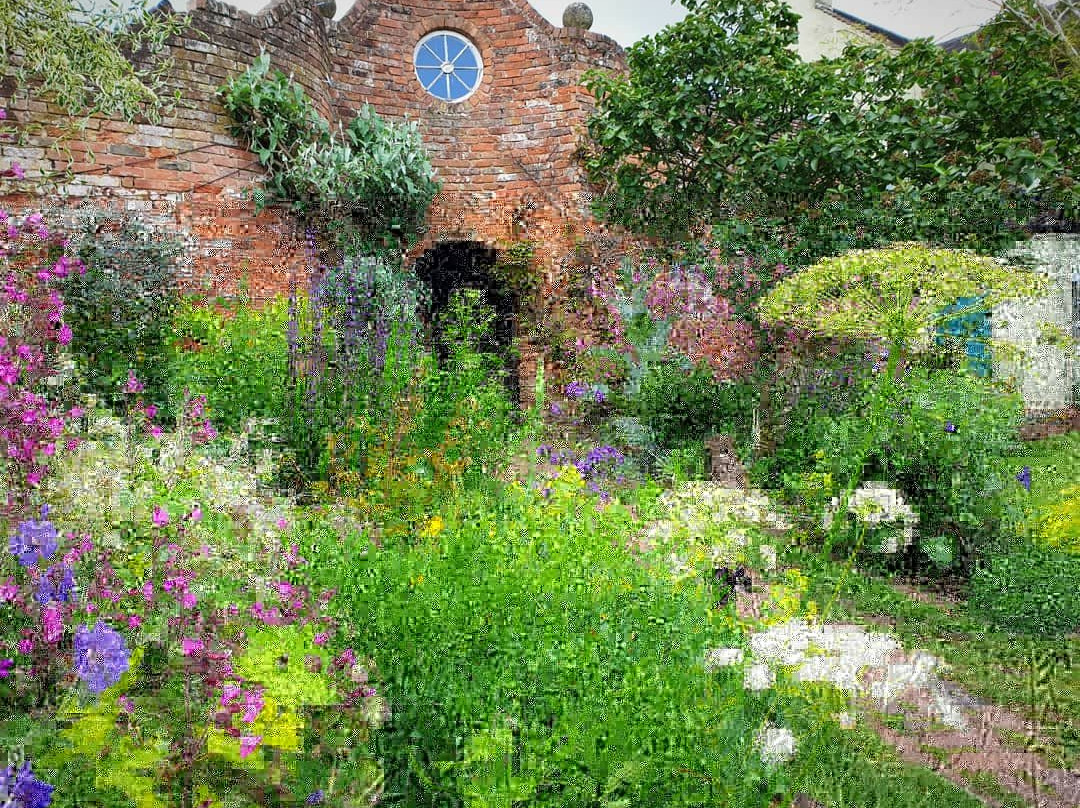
722 658
847 720
768 556
777 745
758 677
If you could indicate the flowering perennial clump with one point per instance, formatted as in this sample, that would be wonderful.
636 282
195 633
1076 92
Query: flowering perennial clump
101 656
20 789
875 503
34 540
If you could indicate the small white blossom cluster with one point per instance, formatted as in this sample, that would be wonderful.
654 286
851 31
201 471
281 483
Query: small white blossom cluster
777 745
875 503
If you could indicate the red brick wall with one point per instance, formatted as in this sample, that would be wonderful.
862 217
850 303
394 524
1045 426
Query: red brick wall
510 145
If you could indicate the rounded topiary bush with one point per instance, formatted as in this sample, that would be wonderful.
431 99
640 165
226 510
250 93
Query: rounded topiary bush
1029 590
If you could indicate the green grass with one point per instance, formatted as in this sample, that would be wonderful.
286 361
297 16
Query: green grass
1055 464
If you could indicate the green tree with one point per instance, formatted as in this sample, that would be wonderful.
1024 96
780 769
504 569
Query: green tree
82 59
718 119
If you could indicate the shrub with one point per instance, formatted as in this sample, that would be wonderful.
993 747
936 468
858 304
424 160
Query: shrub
119 311
1060 524
960 483
1031 589
241 364
686 405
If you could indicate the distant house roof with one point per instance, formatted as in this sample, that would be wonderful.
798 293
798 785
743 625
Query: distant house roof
875 32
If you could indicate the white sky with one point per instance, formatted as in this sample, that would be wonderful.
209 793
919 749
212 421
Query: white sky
626 21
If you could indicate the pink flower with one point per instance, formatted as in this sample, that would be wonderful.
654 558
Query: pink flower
284 589
321 638
3 114
16 171
25 646
248 744
51 622
253 704
196 514
161 516
8 591
156 431
148 591
5 667
150 411
76 412
281 523
127 704
133 384
189 600
134 621
64 337
192 647
229 693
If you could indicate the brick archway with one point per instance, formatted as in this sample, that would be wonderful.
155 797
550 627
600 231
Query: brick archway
452 265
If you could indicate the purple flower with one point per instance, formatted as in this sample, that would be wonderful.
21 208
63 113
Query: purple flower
599 396
575 390
100 656
51 589
950 427
1024 476
20 789
315 797
34 540
5 667
556 409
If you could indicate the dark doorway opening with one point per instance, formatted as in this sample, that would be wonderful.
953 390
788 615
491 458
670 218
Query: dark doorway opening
454 265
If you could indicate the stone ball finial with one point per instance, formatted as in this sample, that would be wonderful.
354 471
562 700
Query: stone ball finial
577 15
327 8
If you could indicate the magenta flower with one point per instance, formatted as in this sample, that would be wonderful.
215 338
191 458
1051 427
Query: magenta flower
161 516
196 513
253 704
8 591
150 410
281 523
248 744
134 621
192 647
148 591
321 638
5 667
25 646
3 114
133 384
52 624
127 704
156 431
188 601
229 693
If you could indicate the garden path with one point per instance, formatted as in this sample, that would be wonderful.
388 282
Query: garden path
945 728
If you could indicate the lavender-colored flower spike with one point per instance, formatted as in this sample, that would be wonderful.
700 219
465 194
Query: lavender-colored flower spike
101 656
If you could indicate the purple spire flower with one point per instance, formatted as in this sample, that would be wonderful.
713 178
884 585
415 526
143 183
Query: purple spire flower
1024 476
34 540
100 656
20 789
599 396
950 427
57 584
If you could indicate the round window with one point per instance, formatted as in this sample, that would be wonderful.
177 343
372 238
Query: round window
448 65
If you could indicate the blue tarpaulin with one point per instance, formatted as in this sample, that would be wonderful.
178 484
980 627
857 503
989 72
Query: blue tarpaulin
976 326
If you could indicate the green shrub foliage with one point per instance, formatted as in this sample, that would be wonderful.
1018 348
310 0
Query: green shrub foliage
119 311
1030 590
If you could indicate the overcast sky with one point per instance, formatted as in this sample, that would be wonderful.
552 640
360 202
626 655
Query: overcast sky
626 21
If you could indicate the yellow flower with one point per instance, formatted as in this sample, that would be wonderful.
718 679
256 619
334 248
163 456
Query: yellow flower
433 528
819 454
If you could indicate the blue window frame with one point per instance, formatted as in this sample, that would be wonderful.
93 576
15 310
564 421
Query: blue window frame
974 325
448 65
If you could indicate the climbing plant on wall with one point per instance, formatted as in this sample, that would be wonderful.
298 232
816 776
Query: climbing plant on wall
375 175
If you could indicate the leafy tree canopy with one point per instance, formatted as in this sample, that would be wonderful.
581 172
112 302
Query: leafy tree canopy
719 120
